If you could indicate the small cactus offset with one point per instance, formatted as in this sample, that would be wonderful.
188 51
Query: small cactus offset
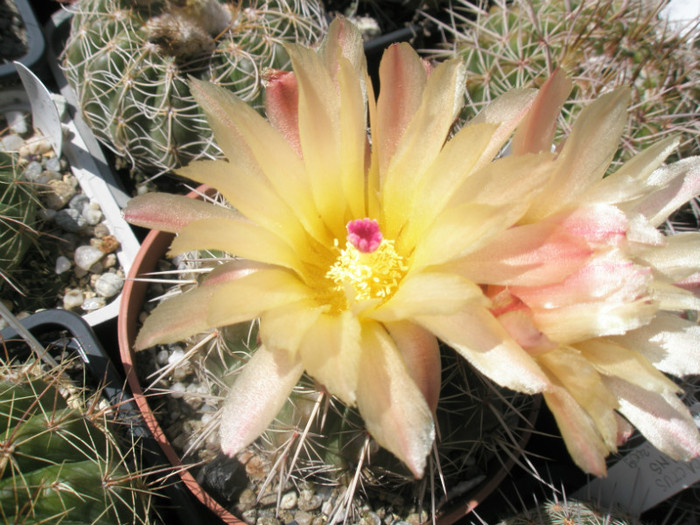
129 63
600 45
18 206
570 512
59 459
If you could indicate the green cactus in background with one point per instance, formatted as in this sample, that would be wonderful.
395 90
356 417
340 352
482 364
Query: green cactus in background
60 462
569 512
18 206
601 44
129 63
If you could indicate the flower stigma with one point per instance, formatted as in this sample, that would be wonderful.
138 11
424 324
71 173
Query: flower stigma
368 267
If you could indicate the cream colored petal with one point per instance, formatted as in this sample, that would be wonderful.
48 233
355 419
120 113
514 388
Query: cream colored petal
582 440
673 298
684 184
429 293
461 230
249 140
523 255
393 408
284 328
480 339
282 105
586 154
237 237
343 40
536 132
250 193
581 321
661 418
671 343
680 258
260 391
420 352
402 78
331 351
612 359
585 385
171 213
320 134
421 143
634 179
507 111
250 296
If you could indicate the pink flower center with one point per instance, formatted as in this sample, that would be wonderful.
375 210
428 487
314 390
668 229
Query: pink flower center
364 235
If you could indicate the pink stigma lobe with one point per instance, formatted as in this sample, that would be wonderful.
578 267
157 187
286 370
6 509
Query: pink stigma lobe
364 235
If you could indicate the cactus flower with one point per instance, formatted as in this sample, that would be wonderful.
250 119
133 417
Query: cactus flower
344 237
605 333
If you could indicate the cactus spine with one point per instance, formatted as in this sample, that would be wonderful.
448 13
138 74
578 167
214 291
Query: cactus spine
600 44
129 63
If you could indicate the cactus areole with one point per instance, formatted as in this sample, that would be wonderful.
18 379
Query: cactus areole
129 63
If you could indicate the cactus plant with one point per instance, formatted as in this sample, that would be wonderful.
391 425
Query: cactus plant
600 45
569 511
129 63
18 207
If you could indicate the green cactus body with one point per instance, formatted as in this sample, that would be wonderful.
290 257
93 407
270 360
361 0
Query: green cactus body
600 45
18 207
58 463
570 512
129 63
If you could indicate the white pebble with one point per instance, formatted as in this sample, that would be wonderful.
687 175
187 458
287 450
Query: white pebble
72 299
108 284
162 357
63 264
86 256
177 354
93 303
11 143
177 390
92 214
288 500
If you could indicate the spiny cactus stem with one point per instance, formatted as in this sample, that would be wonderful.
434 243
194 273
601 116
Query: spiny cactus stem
41 352
304 434
345 502
160 374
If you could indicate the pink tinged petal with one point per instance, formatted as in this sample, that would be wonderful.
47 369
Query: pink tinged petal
582 440
402 78
577 322
421 143
343 40
480 339
393 408
605 277
330 351
250 296
662 418
429 293
507 111
624 430
680 258
634 179
684 185
282 105
523 255
520 326
673 298
598 224
236 237
284 328
586 154
320 134
536 132
420 352
612 359
575 373
256 397
640 233
258 148
171 213
670 343
250 193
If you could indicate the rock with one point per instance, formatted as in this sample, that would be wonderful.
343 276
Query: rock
289 500
70 220
108 284
11 143
78 202
60 192
246 500
162 357
54 164
35 146
63 264
93 303
108 244
92 214
33 171
72 299
101 230
86 256
177 390
302 517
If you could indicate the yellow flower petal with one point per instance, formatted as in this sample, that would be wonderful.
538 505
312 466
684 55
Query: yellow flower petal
237 237
393 408
248 297
331 351
284 328
482 341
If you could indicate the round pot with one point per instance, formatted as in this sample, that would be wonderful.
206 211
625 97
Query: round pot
153 248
